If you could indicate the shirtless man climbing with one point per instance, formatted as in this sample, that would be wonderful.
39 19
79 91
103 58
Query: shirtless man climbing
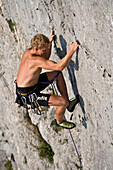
29 74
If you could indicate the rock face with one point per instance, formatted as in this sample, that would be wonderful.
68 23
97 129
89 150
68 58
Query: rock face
89 74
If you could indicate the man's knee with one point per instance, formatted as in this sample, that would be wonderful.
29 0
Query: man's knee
64 102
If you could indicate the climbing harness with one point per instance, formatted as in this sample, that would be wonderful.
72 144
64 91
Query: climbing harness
33 98
34 104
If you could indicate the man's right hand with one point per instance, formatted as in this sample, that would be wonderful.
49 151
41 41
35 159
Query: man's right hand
74 45
52 35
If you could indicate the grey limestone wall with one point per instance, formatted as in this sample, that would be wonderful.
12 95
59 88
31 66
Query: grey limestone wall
89 74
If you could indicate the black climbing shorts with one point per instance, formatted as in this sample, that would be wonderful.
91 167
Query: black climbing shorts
36 89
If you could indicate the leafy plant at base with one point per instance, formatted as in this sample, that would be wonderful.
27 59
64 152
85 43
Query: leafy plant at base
45 150
8 165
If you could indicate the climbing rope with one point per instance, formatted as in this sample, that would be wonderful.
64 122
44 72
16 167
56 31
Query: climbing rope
79 156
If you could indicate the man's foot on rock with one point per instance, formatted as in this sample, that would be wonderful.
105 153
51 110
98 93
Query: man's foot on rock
65 124
73 103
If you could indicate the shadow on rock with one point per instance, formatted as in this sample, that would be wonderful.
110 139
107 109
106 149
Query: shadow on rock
72 66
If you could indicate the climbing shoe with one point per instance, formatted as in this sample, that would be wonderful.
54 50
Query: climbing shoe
65 124
73 103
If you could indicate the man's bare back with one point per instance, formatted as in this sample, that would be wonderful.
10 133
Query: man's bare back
29 72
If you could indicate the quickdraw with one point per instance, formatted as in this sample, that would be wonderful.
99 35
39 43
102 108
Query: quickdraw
34 103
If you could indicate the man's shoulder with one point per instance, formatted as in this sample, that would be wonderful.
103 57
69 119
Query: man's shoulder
27 50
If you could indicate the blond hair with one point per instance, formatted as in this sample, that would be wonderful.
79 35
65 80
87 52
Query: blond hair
39 41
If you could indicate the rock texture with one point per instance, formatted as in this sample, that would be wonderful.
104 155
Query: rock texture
90 73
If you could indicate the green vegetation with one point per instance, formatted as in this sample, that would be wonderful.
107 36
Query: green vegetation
57 128
45 150
11 24
8 165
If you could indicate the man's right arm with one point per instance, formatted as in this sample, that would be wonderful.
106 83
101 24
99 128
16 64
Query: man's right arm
51 65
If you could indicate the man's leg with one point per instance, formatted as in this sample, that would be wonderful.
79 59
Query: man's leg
60 101
61 106
61 85
60 110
